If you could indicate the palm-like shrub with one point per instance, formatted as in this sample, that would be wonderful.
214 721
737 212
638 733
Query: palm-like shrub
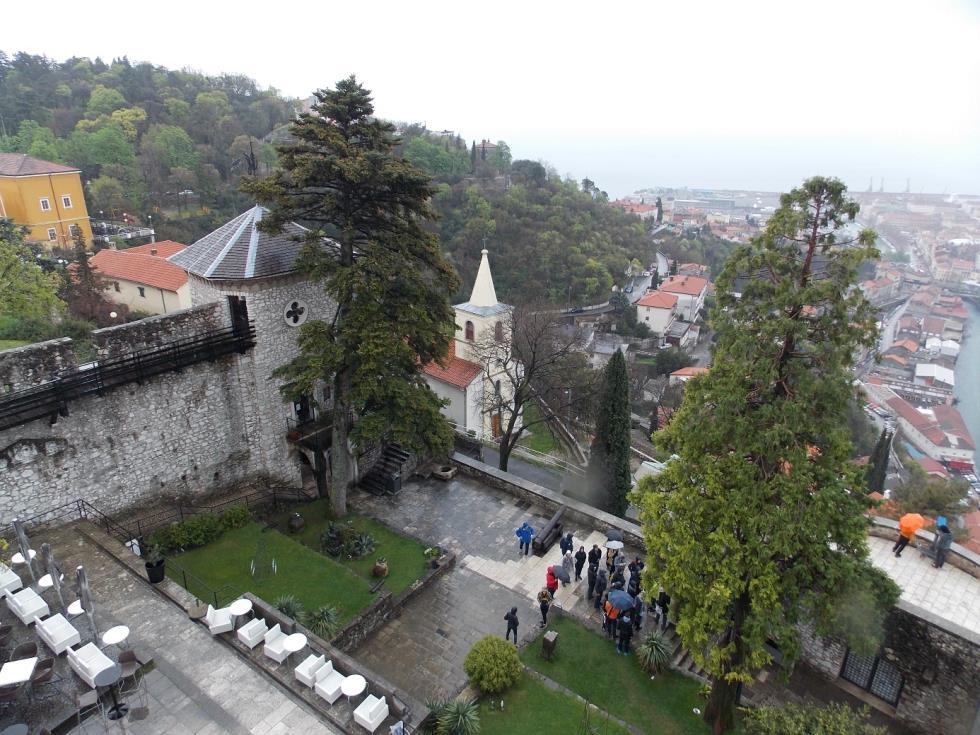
323 621
289 606
452 717
653 653
493 665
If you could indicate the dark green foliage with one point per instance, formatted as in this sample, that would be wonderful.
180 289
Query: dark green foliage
289 606
199 530
235 517
343 540
323 621
794 719
27 293
341 179
931 496
653 653
609 467
863 433
493 664
452 717
671 359
878 464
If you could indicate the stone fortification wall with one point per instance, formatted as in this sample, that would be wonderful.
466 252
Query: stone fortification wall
176 434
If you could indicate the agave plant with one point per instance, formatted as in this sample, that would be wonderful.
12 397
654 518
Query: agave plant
457 717
323 621
289 606
654 654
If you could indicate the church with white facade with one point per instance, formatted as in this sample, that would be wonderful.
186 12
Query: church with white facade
466 377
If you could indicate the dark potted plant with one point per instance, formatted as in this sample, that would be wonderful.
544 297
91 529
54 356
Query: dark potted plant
432 554
155 564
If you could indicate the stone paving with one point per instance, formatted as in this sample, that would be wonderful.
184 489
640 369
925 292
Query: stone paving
436 630
948 593
198 684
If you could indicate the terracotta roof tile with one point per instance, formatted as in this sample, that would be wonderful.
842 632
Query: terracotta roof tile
164 248
138 268
658 300
689 285
457 372
685 372
20 164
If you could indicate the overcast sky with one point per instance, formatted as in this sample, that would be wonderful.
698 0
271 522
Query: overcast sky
708 93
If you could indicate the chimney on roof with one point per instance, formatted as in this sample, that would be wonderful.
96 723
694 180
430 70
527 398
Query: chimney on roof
153 251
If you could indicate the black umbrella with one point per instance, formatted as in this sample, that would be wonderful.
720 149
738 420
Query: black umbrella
24 546
561 573
85 597
614 535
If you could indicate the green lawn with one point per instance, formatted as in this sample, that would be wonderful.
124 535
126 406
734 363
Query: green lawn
406 562
313 578
588 664
9 344
540 438
531 707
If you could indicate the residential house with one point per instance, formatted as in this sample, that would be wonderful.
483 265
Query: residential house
45 197
462 378
161 249
933 468
927 373
690 292
937 432
685 374
933 327
141 281
657 310
680 334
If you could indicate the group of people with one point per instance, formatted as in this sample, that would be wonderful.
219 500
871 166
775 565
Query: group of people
941 542
604 579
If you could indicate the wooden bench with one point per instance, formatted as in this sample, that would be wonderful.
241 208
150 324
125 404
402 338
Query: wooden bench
549 534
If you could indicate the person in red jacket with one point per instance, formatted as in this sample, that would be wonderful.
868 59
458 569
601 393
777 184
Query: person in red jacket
551 582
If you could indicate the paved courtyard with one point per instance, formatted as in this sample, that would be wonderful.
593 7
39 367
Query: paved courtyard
198 685
423 650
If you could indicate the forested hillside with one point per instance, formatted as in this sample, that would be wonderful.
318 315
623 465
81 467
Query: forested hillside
549 238
143 134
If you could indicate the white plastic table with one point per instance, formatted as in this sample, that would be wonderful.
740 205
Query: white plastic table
116 635
16 672
45 582
295 642
75 608
352 686
238 608
18 558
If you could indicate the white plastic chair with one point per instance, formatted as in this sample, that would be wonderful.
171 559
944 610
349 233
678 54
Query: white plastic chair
274 648
252 633
306 671
218 621
371 712
328 682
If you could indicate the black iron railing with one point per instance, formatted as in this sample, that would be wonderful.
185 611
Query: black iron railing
51 399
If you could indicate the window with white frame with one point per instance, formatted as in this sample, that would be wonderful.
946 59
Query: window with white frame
66 201
52 233
45 204
75 230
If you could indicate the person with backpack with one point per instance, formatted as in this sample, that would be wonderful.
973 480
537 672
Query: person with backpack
544 602
944 540
512 623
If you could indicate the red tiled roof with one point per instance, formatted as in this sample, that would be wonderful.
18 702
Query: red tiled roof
20 164
896 359
689 285
658 300
164 248
952 422
931 466
458 372
138 268
686 372
909 345
933 325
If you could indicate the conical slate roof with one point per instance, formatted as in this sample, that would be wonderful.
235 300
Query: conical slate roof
238 250
483 298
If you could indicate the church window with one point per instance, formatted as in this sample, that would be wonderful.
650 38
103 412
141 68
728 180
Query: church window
498 331
469 331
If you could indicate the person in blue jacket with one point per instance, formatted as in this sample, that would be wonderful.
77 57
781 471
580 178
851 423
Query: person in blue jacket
525 533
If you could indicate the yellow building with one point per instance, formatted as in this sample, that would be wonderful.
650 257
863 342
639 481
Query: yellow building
45 197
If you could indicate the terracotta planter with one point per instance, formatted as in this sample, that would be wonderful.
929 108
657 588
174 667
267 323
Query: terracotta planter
380 569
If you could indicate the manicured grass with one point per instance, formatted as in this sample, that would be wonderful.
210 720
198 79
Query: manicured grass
9 344
531 707
588 664
314 579
406 562
540 438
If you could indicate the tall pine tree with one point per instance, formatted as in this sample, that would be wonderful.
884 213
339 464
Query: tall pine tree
340 178
759 524
609 460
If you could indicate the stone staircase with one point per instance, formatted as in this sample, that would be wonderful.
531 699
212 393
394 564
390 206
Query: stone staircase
381 479
681 659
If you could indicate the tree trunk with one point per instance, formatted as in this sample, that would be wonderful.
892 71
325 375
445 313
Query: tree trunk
505 450
720 709
341 451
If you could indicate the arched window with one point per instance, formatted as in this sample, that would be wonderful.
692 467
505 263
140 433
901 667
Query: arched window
498 331
496 389
469 331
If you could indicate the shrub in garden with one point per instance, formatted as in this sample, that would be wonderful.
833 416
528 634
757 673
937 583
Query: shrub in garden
235 517
289 606
493 665
834 719
323 621
343 540
452 717
654 654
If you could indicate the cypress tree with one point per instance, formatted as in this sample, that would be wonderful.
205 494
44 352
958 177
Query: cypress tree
878 465
609 460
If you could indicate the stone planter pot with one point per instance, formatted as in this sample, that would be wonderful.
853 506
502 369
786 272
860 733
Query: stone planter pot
380 569
445 472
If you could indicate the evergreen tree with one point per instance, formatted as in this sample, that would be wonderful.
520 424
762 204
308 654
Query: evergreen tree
341 179
473 157
27 293
878 464
609 460
757 526
84 290
660 211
